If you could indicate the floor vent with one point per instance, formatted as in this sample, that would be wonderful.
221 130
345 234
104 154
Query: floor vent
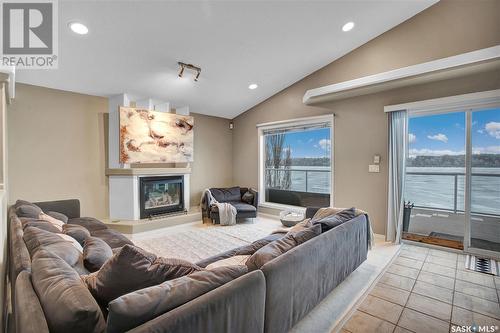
482 265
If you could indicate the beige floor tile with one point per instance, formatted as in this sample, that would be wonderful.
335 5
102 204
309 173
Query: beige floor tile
476 290
477 278
441 261
421 323
362 322
443 254
463 317
429 306
436 279
381 308
391 294
477 304
403 271
438 269
412 254
399 329
398 281
408 262
414 248
432 291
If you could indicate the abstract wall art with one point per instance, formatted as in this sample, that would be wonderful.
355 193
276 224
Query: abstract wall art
155 137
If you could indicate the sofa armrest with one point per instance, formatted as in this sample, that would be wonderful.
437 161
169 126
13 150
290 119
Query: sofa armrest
324 261
237 306
28 313
70 208
255 197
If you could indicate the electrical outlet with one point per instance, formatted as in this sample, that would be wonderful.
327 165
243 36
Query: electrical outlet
374 168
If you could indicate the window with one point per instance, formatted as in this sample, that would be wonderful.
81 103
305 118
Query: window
296 162
453 177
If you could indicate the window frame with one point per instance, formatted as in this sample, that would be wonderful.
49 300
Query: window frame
261 158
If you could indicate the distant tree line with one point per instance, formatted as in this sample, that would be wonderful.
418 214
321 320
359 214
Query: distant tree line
311 161
455 161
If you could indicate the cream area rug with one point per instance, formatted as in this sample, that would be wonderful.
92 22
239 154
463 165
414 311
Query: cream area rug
197 241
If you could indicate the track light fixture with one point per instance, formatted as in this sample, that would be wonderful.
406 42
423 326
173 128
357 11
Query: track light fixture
190 67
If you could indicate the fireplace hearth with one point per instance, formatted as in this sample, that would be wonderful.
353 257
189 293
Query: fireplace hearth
160 195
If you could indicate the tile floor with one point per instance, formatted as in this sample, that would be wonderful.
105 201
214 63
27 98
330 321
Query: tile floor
427 290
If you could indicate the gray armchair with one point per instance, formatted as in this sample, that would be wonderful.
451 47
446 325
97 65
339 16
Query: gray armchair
246 207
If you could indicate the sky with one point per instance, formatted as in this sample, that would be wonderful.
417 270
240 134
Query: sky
312 143
444 134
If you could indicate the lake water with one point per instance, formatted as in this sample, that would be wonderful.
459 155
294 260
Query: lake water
427 190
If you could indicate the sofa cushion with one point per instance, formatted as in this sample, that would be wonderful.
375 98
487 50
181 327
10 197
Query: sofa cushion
29 222
226 194
236 260
59 216
77 232
133 309
132 268
19 255
280 246
88 222
242 207
95 253
57 223
66 302
330 221
30 211
23 202
112 237
36 239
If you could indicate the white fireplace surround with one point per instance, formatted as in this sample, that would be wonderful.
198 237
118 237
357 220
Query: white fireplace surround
124 201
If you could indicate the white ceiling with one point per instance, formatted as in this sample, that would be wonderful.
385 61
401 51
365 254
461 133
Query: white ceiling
134 47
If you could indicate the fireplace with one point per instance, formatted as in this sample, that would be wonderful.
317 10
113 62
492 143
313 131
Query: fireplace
160 195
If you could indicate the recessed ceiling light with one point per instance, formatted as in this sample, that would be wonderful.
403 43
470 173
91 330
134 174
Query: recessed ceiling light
253 86
348 26
78 28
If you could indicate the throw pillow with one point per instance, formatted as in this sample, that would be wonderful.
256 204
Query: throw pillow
90 223
331 221
77 232
95 253
132 268
57 223
29 222
59 216
66 302
73 241
30 211
36 239
247 197
134 309
231 261
280 246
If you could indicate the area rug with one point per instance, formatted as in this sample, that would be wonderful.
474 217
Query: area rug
199 242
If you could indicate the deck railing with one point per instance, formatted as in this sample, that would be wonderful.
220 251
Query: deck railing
272 173
455 176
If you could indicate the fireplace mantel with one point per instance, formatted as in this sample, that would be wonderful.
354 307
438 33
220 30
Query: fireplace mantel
147 171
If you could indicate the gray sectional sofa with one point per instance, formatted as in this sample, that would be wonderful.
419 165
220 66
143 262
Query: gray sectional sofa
272 299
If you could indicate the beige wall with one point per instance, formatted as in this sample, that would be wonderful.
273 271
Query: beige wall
57 149
445 29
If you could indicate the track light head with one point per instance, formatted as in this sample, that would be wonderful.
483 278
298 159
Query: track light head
190 67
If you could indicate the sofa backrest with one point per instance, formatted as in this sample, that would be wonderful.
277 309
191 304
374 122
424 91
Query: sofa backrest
226 194
70 207
299 279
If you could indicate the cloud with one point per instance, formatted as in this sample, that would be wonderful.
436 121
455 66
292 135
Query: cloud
324 144
480 131
412 138
286 149
486 150
493 129
438 137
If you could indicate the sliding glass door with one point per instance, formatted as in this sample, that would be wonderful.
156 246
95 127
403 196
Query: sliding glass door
453 180
485 181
